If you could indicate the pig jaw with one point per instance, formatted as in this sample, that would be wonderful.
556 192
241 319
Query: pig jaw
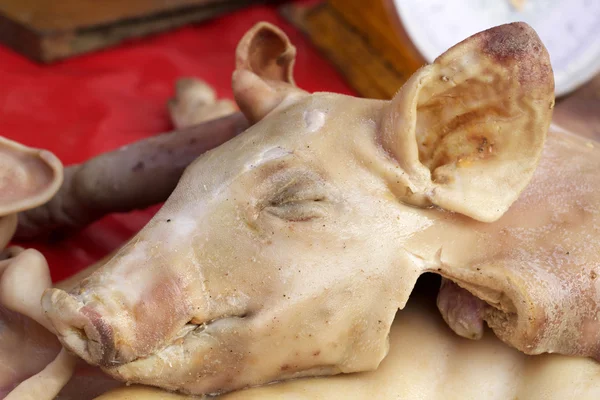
126 310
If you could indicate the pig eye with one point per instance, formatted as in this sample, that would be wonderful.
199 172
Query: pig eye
301 198
299 210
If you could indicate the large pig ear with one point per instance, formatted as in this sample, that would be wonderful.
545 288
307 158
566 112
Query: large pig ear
468 130
28 177
263 76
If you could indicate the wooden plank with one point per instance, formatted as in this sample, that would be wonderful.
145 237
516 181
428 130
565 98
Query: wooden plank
378 23
363 44
47 30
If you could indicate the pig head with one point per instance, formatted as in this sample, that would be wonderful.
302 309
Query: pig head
287 251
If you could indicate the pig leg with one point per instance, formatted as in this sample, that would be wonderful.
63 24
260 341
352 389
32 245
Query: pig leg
462 311
195 102
25 276
27 347
47 383
32 365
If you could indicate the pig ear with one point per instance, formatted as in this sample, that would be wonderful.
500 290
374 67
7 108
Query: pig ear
468 130
263 76
28 177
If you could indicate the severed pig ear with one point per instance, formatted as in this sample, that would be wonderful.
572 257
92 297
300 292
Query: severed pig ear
263 76
28 177
468 130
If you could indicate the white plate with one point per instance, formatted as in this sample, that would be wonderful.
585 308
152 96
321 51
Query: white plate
570 30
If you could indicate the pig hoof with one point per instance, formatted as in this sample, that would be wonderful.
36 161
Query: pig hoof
195 102
462 311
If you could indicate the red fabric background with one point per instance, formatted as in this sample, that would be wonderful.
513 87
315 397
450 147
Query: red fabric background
98 102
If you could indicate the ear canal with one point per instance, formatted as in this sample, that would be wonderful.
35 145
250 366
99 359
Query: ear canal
28 177
263 78
468 130
267 52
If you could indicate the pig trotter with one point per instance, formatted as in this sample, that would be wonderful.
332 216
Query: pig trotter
195 102
462 311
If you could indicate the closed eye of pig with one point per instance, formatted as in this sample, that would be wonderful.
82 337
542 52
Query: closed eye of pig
287 251
293 194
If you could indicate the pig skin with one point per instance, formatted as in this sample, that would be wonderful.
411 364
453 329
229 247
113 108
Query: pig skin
292 250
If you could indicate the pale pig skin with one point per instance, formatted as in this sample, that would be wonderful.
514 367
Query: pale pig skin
304 290
29 352
287 251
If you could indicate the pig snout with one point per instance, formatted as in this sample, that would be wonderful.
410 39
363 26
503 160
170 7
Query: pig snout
108 329
82 329
128 309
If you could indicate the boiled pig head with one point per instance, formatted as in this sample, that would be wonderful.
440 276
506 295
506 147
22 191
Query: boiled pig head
287 251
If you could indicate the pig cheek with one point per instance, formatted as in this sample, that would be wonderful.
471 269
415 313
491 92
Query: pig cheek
161 312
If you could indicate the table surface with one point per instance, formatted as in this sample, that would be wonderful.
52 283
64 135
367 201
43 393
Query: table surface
95 103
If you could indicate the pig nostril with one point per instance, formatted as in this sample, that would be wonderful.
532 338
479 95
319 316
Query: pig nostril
80 333
81 328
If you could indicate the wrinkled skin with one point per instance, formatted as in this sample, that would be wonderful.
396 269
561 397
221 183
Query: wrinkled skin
287 251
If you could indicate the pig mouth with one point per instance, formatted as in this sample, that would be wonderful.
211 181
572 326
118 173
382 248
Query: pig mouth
80 328
84 330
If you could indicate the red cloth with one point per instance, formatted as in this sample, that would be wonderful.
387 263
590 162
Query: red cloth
95 103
